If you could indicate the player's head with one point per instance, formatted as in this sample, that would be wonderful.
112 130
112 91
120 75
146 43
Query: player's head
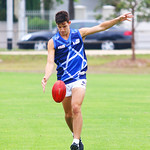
61 17
63 22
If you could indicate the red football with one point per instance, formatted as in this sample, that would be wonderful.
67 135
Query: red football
59 91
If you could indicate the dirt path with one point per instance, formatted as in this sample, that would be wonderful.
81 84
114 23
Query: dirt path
139 66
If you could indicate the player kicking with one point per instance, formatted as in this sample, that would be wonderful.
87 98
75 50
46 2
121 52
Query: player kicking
66 49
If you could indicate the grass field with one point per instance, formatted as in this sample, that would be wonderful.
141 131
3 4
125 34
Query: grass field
116 113
36 63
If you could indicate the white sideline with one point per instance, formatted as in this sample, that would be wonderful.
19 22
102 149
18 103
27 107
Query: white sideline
88 52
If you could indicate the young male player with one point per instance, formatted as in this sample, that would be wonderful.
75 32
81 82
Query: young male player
66 49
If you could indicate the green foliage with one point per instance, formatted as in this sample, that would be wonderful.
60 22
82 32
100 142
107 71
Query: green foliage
59 1
142 7
53 24
3 15
37 23
35 4
143 17
98 17
32 4
3 12
48 4
2 4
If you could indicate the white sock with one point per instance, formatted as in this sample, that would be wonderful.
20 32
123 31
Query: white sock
76 141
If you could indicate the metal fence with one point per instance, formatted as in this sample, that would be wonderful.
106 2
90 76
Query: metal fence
37 20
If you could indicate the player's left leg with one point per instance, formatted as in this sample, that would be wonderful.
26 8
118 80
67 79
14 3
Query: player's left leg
68 112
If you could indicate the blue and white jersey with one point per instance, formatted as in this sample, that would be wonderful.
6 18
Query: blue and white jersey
70 57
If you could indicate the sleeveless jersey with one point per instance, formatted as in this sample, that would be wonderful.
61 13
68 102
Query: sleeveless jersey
70 57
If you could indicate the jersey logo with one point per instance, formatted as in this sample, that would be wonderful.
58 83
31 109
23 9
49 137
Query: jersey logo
76 42
61 46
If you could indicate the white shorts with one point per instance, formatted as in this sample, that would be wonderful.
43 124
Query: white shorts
80 83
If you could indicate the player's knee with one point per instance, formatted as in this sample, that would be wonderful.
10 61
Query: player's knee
76 109
68 115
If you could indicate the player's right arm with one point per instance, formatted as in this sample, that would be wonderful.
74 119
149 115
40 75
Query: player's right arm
50 63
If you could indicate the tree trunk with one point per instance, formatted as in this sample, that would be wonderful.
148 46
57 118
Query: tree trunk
133 35
71 9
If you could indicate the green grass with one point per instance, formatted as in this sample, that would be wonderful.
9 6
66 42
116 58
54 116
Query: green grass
116 112
36 63
14 49
22 62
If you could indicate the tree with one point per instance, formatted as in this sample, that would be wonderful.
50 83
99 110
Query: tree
141 7
2 10
71 9
48 4
33 5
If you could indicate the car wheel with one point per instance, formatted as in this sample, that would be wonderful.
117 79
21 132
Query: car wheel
40 45
107 45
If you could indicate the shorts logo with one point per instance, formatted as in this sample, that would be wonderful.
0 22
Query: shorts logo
83 83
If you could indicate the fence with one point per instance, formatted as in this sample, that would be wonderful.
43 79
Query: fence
3 34
38 20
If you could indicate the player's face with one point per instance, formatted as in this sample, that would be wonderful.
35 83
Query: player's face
64 28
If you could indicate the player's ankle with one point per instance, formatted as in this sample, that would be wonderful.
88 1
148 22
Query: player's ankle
76 141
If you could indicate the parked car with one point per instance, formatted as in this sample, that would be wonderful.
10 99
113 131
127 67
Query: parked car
115 37
35 40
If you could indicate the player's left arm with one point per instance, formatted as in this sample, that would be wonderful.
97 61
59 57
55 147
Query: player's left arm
105 25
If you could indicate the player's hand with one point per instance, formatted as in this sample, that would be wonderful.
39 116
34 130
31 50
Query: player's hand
44 82
126 16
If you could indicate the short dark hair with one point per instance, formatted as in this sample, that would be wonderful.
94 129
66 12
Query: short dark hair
61 17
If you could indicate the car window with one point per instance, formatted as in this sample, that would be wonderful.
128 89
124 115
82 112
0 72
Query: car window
76 25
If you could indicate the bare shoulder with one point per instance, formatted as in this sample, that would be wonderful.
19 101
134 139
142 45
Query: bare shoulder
50 44
83 32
